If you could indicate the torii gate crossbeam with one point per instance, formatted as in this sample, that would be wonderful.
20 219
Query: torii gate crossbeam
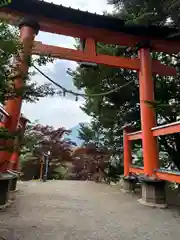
111 61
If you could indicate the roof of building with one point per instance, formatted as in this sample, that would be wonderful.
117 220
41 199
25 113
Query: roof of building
58 12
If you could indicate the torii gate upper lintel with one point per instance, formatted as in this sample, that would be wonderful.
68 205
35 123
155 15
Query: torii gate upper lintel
71 22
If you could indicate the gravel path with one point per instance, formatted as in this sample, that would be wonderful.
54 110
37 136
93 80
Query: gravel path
70 210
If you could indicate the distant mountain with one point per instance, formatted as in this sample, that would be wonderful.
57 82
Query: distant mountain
74 135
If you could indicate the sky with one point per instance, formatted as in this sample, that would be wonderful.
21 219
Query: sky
60 111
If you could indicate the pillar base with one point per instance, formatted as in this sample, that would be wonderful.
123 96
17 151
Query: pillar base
44 178
5 182
153 193
129 184
13 184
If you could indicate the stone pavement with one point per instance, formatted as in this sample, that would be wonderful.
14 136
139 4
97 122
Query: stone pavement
70 210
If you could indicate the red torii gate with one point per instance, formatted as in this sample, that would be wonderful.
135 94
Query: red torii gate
93 28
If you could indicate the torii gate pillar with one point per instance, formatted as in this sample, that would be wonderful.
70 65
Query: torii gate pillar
29 27
152 189
148 116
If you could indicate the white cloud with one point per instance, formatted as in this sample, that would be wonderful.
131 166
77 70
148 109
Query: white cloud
59 111
56 111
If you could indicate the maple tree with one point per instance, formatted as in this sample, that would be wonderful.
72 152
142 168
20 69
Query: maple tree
90 162
41 139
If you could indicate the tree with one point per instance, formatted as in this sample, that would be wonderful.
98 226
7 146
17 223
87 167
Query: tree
91 134
108 111
10 47
86 134
39 140
114 110
90 162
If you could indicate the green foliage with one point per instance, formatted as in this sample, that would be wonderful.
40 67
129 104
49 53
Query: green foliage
24 158
86 134
91 134
111 112
107 112
4 3
113 172
138 156
60 173
10 47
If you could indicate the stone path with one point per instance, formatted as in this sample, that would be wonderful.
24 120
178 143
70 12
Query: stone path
70 210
